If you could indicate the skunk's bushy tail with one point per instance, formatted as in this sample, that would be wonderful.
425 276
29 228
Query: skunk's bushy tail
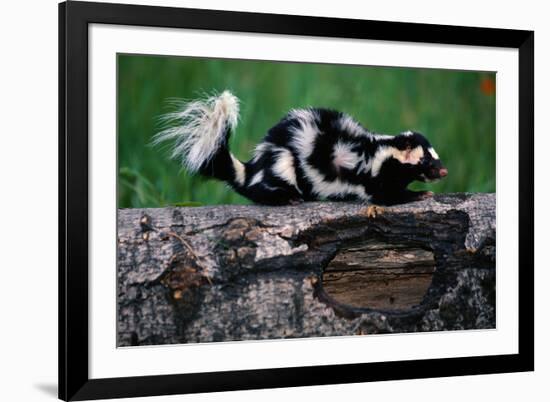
200 130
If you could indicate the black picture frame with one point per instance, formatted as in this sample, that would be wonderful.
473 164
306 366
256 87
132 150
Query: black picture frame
74 18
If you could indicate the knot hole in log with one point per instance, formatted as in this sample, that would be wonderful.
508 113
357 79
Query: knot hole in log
374 274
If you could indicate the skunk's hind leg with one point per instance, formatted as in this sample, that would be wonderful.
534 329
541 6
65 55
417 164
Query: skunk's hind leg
264 193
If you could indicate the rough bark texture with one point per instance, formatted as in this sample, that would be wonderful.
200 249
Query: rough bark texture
228 273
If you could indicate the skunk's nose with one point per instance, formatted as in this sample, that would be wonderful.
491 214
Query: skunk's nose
443 172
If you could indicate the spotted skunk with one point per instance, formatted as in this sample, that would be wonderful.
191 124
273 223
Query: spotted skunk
311 154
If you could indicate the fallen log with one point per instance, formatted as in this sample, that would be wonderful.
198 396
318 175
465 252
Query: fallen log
225 273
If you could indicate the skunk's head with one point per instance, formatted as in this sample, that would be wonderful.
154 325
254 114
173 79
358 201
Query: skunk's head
426 164
408 157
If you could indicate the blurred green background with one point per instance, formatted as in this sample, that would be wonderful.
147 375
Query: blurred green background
454 109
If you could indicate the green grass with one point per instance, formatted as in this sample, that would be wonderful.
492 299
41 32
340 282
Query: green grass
449 107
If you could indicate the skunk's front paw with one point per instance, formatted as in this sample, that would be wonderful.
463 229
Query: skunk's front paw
424 195
295 201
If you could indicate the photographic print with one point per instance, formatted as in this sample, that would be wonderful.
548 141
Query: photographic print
254 200
268 200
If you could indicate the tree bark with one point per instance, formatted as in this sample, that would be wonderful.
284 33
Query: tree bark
227 273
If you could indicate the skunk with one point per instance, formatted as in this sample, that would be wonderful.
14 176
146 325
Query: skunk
311 154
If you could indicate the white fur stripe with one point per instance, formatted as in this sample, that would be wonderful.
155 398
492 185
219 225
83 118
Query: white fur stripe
383 153
260 150
344 156
433 153
240 173
350 126
336 187
305 135
413 156
365 167
257 178
284 166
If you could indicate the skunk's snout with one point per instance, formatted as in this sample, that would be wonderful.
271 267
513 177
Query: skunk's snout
437 172
434 171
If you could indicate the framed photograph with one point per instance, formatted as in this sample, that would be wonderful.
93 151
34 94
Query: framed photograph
257 200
